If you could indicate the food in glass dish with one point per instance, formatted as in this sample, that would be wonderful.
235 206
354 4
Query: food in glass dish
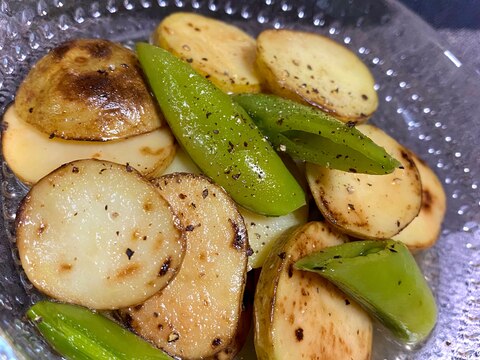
277 339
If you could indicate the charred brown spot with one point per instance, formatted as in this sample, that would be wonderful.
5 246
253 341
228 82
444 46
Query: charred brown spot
148 206
189 227
427 200
59 52
65 267
165 266
290 270
138 307
216 342
406 156
299 334
75 170
239 235
127 271
364 97
282 255
182 196
41 228
97 48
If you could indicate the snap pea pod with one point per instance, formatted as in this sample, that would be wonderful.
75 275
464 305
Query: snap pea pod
219 136
78 333
384 278
314 136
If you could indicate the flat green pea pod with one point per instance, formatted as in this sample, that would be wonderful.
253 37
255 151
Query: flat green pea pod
78 333
219 136
311 135
384 278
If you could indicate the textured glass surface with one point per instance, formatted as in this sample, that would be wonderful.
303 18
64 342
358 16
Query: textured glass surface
428 101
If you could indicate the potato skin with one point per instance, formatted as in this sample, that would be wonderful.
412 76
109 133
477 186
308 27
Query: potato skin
300 315
88 89
425 229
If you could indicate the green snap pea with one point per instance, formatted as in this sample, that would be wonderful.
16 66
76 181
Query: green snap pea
219 136
78 333
314 136
384 278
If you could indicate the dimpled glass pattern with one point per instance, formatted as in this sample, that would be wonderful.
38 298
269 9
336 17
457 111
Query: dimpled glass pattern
428 101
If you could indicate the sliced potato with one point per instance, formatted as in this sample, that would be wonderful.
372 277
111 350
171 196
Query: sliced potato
221 52
424 230
314 69
98 234
88 89
32 154
369 206
197 314
300 315
262 230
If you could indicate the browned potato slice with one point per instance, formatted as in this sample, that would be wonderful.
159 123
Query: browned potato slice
262 230
300 315
88 90
314 69
221 52
424 230
369 206
98 234
32 154
197 314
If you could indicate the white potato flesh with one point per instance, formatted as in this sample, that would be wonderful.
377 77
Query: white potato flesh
300 315
424 230
98 234
197 314
262 230
314 69
369 206
219 51
32 154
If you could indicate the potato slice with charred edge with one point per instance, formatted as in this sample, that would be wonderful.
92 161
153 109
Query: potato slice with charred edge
369 206
316 70
88 89
32 154
197 314
221 52
98 234
262 230
299 315
424 230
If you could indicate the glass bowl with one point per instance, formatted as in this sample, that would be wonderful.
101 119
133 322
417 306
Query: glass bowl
428 101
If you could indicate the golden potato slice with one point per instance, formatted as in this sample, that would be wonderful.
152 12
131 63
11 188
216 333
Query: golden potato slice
32 154
197 314
262 230
88 90
300 315
221 52
98 234
424 230
314 69
369 206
